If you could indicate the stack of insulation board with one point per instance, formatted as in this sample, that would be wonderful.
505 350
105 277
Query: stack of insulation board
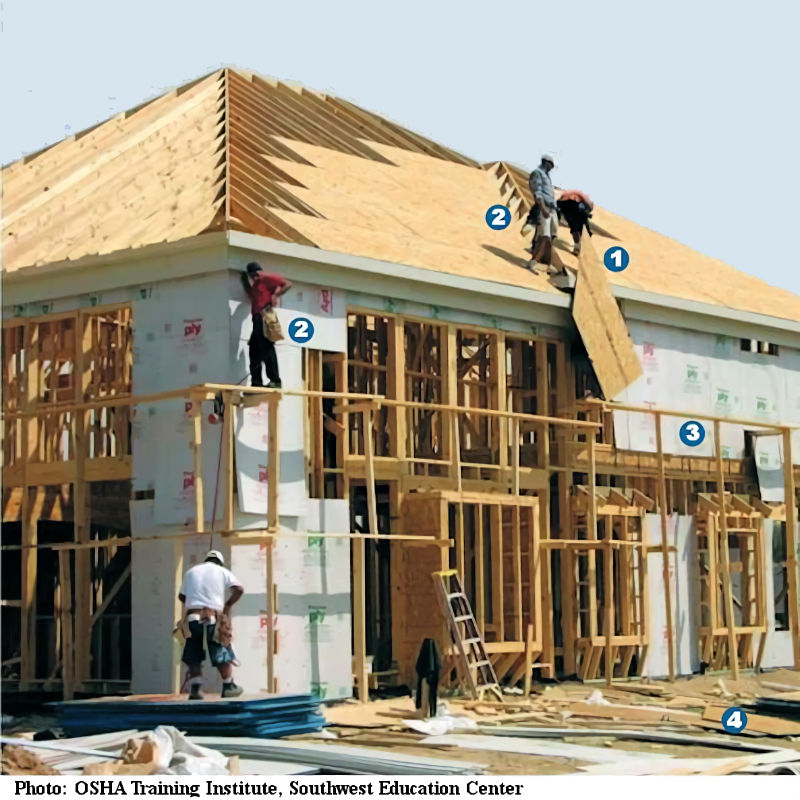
266 716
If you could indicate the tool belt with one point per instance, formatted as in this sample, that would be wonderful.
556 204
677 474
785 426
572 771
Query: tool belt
271 324
206 616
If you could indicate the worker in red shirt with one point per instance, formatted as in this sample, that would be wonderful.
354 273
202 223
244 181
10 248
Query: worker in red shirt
263 289
576 208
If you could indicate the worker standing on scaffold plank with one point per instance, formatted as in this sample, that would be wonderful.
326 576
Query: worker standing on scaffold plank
263 289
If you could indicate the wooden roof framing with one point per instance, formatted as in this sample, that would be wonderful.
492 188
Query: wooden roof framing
237 151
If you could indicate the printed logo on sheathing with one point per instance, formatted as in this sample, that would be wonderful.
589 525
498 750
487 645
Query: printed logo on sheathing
692 384
319 690
763 460
316 614
326 301
192 333
763 407
187 488
726 451
649 360
314 552
723 404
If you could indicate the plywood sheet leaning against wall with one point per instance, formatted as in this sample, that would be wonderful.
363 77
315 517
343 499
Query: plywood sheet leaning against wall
602 327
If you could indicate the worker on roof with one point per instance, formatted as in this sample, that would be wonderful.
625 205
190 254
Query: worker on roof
576 208
544 213
264 289
206 621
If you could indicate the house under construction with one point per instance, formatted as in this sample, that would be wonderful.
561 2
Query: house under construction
442 407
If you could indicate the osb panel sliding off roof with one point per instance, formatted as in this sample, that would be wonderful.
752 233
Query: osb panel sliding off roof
237 151
602 327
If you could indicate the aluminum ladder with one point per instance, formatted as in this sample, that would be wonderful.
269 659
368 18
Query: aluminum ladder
477 673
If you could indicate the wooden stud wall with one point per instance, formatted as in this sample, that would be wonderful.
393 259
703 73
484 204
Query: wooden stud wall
52 367
471 429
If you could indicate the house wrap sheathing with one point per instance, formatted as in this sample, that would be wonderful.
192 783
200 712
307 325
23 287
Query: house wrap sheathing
450 409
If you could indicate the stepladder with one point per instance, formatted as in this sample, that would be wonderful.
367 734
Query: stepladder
474 666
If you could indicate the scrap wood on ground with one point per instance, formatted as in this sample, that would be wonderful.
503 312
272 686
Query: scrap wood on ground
634 728
676 721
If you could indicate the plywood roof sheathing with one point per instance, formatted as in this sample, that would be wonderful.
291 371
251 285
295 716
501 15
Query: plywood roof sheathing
240 151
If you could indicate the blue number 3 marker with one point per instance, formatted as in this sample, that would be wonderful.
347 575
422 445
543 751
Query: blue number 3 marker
692 433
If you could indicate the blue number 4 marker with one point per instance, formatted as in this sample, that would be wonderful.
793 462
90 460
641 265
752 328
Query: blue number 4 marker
734 720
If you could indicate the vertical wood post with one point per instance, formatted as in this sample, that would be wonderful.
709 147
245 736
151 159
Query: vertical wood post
608 593
727 587
197 420
228 434
369 455
396 388
455 454
496 565
526 686
82 504
273 461
30 523
480 570
515 444
500 397
662 508
449 385
178 610
591 533
543 403
272 612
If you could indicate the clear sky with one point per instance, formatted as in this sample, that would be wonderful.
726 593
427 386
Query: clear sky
682 116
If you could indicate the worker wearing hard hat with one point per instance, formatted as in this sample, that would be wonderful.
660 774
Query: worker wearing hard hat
208 593
545 203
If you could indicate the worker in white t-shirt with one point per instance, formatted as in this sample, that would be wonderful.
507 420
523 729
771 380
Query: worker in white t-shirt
208 593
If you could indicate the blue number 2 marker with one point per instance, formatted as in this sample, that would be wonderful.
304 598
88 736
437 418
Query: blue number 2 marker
301 329
498 217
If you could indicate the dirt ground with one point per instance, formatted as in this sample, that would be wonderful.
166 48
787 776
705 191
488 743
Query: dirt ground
379 724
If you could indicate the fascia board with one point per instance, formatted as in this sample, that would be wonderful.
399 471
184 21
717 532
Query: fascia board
158 262
705 317
402 282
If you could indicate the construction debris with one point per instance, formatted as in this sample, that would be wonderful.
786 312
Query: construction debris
756 722
598 755
343 760
276 715
19 761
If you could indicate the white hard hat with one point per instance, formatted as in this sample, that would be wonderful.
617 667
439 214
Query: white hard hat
549 157
215 554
